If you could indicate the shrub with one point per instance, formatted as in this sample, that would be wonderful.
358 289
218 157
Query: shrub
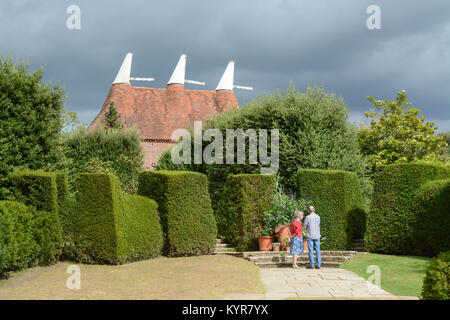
240 211
105 151
30 121
111 229
338 201
314 133
432 209
391 225
436 285
185 210
39 190
141 227
18 247
66 205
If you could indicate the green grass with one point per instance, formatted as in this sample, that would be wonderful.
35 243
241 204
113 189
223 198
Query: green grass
400 275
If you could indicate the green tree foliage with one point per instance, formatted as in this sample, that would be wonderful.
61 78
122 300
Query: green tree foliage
112 118
314 133
396 133
114 151
30 121
444 152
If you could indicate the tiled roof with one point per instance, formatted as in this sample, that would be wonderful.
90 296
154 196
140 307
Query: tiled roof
158 112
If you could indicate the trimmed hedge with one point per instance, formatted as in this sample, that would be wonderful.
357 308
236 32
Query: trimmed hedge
338 201
436 285
185 209
18 247
39 190
141 227
392 223
432 204
240 211
111 229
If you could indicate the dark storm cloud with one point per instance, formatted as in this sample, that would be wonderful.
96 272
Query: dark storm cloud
273 43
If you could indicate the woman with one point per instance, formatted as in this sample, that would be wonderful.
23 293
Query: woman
296 244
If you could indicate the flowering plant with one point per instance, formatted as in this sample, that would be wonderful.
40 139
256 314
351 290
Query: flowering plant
282 209
263 231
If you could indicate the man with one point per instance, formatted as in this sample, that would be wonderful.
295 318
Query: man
312 227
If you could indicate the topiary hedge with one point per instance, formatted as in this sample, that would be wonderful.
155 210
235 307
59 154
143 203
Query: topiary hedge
436 285
185 209
141 227
18 246
111 229
392 223
432 209
36 188
39 190
338 201
240 210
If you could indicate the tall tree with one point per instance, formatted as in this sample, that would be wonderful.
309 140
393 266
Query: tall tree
396 133
112 118
30 120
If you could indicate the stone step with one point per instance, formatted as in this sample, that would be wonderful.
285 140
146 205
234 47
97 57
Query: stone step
231 253
289 258
218 241
225 250
360 249
278 253
221 245
300 258
299 263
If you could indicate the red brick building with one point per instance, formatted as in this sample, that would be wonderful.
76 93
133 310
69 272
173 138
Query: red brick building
157 112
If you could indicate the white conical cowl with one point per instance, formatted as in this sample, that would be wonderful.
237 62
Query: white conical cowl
123 76
179 72
226 82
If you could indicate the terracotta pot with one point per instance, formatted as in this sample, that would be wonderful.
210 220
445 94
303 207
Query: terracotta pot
265 243
276 248
283 233
305 245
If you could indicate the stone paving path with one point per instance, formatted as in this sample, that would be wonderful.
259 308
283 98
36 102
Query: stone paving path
331 283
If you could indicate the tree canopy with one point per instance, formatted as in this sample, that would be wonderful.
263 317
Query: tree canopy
30 120
396 133
314 133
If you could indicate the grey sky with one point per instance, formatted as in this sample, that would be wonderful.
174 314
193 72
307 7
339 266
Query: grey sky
274 42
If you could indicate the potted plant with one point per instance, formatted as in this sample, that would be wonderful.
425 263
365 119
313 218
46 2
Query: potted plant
265 238
305 242
281 213
276 246
286 244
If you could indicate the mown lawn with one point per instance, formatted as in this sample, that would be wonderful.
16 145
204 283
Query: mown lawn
400 275
203 277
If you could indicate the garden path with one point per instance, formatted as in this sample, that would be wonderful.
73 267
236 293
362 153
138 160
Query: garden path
302 283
